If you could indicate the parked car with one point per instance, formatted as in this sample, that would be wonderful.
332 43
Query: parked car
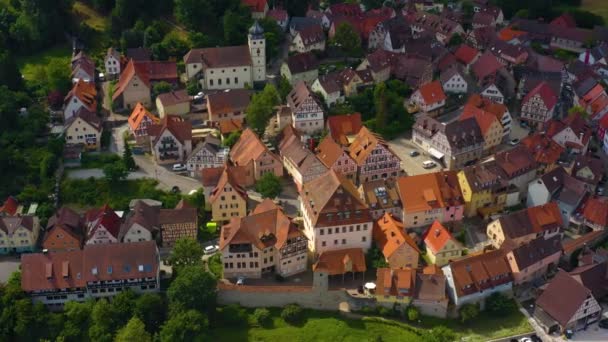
240 281
211 249
428 164
179 167
414 153
175 189
600 191
514 142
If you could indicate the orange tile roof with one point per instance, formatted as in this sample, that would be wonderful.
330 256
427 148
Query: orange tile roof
466 54
432 92
508 34
138 114
341 261
87 94
341 126
232 125
364 143
545 215
544 149
248 148
391 281
437 236
328 151
429 191
487 105
484 119
390 235
596 211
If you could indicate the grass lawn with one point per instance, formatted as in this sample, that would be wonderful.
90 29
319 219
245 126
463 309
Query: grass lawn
90 16
318 326
28 64
599 7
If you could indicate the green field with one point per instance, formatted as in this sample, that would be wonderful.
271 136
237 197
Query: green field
599 7
90 16
29 64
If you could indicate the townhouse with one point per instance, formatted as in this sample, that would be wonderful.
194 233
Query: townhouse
300 162
84 128
113 63
441 246
572 133
477 102
538 107
140 224
175 102
595 213
64 231
102 225
442 28
545 151
228 198
474 278
344 128
489 125
265 241
19 233
453 80
301 67
336 157
307 111
395 287
170 139
97 271
139 121
137 80
254 158
207 154
308 39
589 170
429 98
431 292
334 215
430 197
518 166
177 223
382 197
228 105
533 260
591 95
398 248
525 225
82 95
484 189
374 158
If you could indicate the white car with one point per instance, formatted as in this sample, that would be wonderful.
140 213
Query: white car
240 281
428 164
514 142
179 167
211 249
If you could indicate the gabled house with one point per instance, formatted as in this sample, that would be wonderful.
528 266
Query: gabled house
343 128
265 241
382 197
308 39
83 68
467 55
82 95
486 68
489 125
474 278
518 166
589 170
19 234
430 97
398 248
545 151
228 198
84 128
280 16
300 162
330 88
595 213
174 103
453 80
141 224
113 63
509 54
140 119
228 105
477 102
526 225
441 246
207 154
254 158
484 189
306 108
572 133
538 107
492 92
430 197
557 312
335 156
340 262
102 225
558 187
180 222
301 67
374 157
258 8
442 28
137 79
209 179
591 95
334 215
532 260
395 286
431 296
64 231
171 139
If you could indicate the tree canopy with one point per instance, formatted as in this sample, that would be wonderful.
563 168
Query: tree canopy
269 185
261 108
186 252
192 289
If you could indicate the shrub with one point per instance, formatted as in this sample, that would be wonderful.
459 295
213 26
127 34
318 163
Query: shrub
412 313
233 314
292 314
469 312
499 304
262 316
382 311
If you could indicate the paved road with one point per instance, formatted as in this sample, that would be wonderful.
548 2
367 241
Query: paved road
98 173
166 179
412 166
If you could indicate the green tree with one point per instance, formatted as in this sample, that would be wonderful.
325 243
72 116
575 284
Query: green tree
192 87
195 14
348 40
174 45
184 326
371 4
58 75
456 40
439 334
231 139
150 308
375 258
186 252
269 185
123 305
292 314
77 321
10 75
115 172
133 331
469 312
161 88
192 289
499 304
284 87
274 36
127 157
235 24
261 108
412 313
578 110
380 103
262 317
103 321
234 315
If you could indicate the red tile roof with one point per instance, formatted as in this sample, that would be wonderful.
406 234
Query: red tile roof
248 148
341 261
437 236
466 54
543 89
255 5
86 93
430 191
138 114
596 211
277 14
392 282
432 92
544 149
102 217
181 129
10 206
342 126
390 235
486 65
484 119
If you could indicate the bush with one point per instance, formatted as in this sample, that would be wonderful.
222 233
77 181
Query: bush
292 314
262 317
382 311
469 312
233 314
499 304
412 313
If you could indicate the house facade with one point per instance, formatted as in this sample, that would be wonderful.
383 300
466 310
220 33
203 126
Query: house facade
82 95
398 248
171 140
112 63
453 81
228 199
18 234
531 261
429 97
140 119
228 105
484 189
374 158
266 241
180 222
208 154
102 226
441 246
538 106
84 128
174 102
336 157
334 215
307 112
252 155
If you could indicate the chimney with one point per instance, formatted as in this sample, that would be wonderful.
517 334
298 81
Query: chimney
437 232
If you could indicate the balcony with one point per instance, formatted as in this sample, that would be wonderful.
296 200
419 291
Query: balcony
170 148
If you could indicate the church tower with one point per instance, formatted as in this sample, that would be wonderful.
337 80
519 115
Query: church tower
257 49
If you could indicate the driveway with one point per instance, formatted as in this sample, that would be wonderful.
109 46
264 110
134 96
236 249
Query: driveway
412 166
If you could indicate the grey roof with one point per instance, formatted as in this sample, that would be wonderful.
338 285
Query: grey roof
554 179
463 133
9 224
298 23
536 250
256 29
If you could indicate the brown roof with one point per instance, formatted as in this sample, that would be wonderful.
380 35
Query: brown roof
311 35
102 217
9 224
432 92
486 65
65 217
515 161
85 115
227 177
430 191
536 251
174 97
363 144
147 71
248 148
317 195
329 151
342 126
572 245
144 215
183 213
299 94
86 93
341 261
395 282
211 175
302 62
596 211
476 273
181 129
232 125
531 220
74 269
220 57
266 226
431 287
139 54
556 304
138 114
235 100
390 235
544 149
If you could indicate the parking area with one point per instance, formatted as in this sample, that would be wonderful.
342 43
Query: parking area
412 166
